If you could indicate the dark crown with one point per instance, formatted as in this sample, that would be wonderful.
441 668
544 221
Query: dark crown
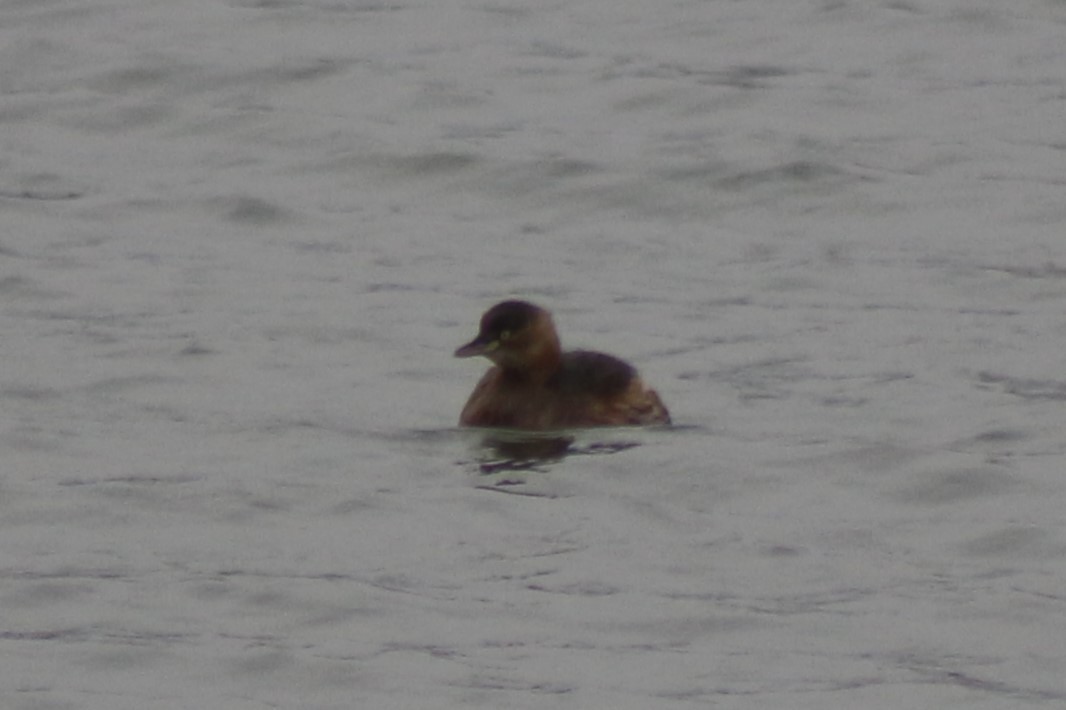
508 316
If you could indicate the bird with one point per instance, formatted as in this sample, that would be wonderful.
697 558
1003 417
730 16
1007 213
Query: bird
535 385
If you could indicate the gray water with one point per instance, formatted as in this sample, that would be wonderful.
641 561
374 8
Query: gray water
240 240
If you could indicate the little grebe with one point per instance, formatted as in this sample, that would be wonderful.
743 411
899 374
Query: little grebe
535 385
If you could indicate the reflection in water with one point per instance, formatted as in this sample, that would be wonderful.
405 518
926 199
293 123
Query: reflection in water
510 461
503 451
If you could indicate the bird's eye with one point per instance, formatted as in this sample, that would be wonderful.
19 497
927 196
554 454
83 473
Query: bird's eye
505 334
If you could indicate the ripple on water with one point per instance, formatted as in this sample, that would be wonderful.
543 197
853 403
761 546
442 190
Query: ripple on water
944 487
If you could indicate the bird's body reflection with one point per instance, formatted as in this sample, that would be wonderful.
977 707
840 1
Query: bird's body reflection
501 451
